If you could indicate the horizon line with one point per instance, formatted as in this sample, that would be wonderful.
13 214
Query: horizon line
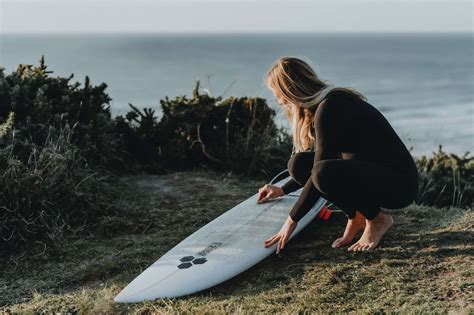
230 32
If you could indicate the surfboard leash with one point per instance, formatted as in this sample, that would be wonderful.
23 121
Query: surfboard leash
324 214
278 175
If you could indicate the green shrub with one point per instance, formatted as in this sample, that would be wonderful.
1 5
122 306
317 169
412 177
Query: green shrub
48 190
39 101
139 138
235 134
446 179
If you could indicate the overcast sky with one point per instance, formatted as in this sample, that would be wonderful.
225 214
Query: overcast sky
236 16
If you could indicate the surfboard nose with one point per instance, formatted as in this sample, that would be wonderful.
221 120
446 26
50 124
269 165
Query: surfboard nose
127 296
118 299
121 298
124 297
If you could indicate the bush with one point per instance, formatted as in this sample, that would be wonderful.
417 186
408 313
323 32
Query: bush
235 134
40 101
47 190
446 179
140 140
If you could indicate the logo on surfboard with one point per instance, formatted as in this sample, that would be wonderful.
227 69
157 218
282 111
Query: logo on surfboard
188 261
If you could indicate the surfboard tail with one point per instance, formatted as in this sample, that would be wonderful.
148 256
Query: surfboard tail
324 214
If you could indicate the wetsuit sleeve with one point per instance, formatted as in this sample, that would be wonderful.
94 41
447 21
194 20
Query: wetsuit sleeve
290 186
331 119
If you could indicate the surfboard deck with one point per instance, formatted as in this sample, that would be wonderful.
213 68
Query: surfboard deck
220 250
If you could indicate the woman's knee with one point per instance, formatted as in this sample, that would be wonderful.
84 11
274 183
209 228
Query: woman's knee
320 176
298 168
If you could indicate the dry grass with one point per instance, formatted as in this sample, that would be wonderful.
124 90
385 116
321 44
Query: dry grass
424 264
48 191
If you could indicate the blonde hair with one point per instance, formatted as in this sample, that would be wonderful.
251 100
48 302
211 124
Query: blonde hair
299 90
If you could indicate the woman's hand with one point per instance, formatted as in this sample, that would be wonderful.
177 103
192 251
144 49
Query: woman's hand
269 191
282 237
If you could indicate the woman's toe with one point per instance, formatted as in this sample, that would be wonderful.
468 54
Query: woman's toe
340 242
353 247
336 243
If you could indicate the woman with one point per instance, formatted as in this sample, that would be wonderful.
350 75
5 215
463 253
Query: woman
344 151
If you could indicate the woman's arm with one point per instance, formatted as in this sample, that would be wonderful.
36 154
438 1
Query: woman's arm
290 186
308 197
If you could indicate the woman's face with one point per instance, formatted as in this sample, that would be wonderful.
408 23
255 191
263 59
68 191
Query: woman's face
281 101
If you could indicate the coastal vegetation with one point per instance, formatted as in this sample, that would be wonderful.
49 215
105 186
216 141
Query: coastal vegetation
446 179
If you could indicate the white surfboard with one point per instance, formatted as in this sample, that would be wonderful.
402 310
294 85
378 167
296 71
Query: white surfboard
220 250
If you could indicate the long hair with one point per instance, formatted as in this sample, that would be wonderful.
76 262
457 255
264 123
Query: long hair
299 90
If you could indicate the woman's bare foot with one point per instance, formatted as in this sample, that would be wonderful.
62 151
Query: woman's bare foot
353 227
373 232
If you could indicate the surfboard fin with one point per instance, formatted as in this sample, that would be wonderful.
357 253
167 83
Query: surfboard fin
324 214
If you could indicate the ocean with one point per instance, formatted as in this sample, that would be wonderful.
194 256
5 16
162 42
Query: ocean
422 83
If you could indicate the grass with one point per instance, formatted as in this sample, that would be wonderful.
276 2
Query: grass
425 263
48 191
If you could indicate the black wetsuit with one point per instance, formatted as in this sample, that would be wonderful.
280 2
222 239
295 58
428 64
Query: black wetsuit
359 162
